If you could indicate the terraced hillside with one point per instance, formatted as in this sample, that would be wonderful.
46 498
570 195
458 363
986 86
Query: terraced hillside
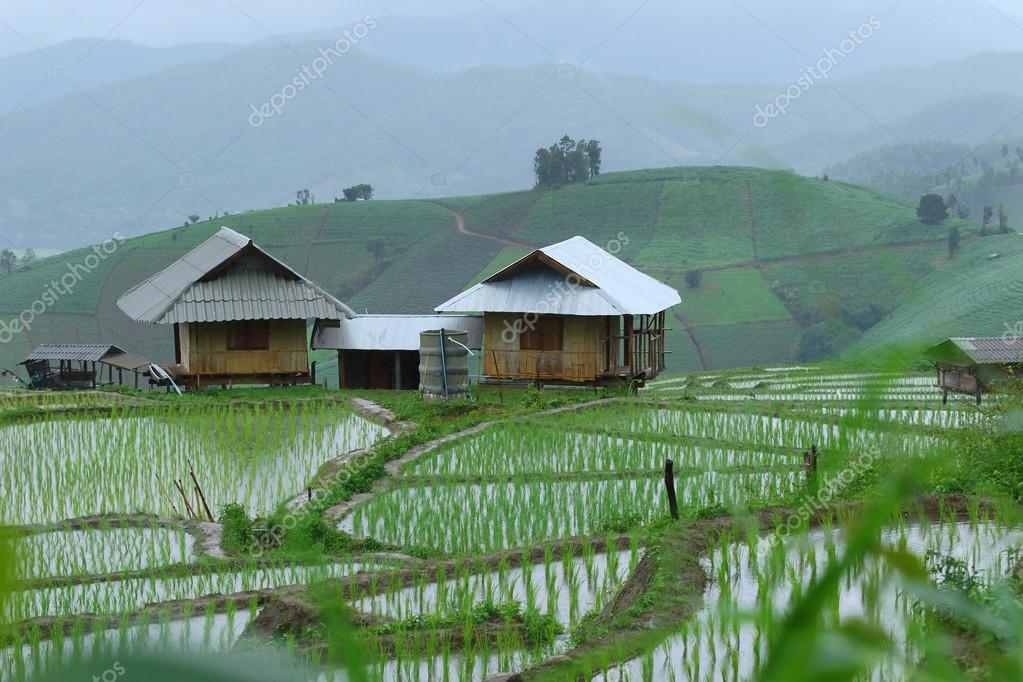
980 293
778 252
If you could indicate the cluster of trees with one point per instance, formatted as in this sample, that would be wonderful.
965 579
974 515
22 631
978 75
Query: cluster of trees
356 193
9 259
566 162
935 209
304 198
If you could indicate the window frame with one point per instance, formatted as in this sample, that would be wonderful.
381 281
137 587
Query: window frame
248 335
534 336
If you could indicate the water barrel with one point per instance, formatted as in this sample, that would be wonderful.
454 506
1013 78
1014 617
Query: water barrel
432 363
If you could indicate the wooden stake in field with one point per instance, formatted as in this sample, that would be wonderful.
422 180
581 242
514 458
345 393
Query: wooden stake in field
810 465
669 484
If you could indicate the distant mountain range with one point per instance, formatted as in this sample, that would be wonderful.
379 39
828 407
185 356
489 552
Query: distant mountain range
167 141
31 78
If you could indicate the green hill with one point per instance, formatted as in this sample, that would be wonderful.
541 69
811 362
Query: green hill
974 295
777 252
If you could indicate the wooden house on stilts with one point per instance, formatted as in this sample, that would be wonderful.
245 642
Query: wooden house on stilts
239 315
569 313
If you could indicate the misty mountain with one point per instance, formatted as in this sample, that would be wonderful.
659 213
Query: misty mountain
687 42
147 152
30 78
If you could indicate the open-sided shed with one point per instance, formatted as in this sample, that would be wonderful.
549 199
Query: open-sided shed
976 365
81 365
239 314
570 312
382 351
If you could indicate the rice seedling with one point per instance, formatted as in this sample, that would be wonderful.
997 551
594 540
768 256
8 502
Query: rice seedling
510 449
120 596
65 467
474 518
566 590
105 550
728 638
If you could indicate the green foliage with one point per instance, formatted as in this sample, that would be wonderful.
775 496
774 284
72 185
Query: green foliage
539 629
237 537
566 162
932 209
361 192
693 278
620 523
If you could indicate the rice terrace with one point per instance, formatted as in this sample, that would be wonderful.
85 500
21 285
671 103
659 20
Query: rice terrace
511 340
527 532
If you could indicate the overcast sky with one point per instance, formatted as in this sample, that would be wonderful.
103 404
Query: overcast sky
172 22
993 24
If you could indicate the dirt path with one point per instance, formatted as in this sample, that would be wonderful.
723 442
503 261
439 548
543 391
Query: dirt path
330 469
692 339
463 230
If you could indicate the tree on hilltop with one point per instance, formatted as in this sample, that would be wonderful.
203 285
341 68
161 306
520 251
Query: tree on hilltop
566 162
932 209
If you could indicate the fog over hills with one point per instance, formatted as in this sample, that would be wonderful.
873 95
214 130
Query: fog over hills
101 135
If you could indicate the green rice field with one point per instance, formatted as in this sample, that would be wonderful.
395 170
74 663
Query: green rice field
538 542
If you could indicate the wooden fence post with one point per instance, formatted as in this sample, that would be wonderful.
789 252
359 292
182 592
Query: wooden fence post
669 484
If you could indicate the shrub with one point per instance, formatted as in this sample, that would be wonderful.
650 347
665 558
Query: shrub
237 529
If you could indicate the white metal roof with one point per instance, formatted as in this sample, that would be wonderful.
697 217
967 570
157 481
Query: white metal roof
573 277
393 332
180 294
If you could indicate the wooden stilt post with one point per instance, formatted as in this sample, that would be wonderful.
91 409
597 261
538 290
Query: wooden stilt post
669 484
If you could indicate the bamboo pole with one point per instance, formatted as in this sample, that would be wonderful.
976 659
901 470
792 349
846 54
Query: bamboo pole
198 490
184 497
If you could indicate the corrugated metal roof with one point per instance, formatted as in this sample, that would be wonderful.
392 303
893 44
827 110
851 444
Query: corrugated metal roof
85 352
125 361
608 286
255 294
394 332
1005 349
176 294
